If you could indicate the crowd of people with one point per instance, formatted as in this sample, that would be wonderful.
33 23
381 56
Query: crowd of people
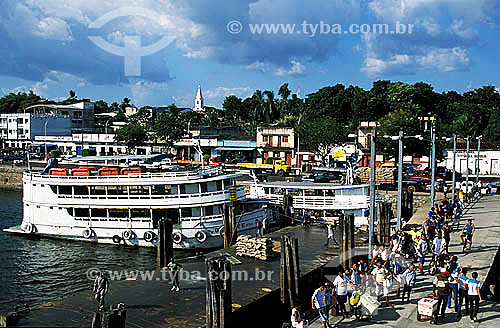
391 268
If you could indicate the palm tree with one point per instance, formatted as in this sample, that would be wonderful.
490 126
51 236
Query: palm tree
269 108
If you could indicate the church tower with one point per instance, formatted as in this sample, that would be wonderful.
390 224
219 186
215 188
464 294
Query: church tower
199 106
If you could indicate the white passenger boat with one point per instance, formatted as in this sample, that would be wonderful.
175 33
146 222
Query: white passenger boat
124 207
323 200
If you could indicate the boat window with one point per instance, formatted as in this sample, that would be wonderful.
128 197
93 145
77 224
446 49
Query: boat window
161 190
191 188
97 190
330 193
117 190
81 190
227 183
186 212
219 185
139 190
196 211
118 213
252 206
53 188
83 212
209 210
140 213
64 190
70 211
204 187
99 212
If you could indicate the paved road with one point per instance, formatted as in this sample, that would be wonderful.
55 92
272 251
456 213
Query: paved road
486 215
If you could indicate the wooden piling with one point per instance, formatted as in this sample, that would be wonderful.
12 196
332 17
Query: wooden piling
218 293
289 271
165 248
341 239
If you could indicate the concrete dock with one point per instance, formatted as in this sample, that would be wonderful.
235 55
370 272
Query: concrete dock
150 303
486 216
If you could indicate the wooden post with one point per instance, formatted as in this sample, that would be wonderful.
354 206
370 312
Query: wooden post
352 244
218 293
229 223
165 248
341 239
296 267
283 271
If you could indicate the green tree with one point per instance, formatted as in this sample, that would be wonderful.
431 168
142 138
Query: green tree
234 110
132 135
322 135
17 102
169 127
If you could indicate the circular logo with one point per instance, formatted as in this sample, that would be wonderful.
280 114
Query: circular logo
234 27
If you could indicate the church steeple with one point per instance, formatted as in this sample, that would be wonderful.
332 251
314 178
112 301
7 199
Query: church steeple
199 106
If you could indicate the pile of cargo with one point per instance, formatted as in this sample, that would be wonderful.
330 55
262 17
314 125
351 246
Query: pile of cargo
383 175
260 247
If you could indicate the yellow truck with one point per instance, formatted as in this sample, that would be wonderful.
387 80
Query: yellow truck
278 166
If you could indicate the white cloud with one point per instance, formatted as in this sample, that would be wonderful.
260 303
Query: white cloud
296 68
143 92
374 67
223 92
445 60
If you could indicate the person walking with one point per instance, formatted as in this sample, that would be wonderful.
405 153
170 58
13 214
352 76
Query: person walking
258 225
101 288
340 285
409 277
329 234
381 278
318 304
474 292
296 318
453 270
441 289
445 230
463 295
421 253
175 270
362 270
439 249
467 232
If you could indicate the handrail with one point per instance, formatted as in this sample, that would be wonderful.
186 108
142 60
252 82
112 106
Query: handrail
211 171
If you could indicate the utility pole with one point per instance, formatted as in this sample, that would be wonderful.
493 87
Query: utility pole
433 178
467 173
372 193
478 151
400 179
453 179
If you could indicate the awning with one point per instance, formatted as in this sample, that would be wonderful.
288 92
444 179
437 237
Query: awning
235 148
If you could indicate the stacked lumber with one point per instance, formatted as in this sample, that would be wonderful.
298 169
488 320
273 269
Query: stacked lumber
382 174
260 247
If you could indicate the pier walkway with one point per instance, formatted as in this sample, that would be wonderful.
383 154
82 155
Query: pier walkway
486 216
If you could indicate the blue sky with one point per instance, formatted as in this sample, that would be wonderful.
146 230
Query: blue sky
45 47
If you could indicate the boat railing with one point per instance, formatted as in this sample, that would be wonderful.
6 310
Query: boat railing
324 201
197 174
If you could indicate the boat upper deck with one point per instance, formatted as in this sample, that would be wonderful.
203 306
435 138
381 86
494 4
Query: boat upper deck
305 185
210 173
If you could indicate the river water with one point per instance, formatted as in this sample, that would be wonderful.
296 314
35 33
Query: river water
33 271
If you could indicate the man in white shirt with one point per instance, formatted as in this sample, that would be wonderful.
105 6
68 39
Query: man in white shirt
381 279
474 293
296 318
340 285
439 248
421 253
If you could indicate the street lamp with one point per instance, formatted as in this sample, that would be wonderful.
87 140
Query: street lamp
372 192
45 129
478 151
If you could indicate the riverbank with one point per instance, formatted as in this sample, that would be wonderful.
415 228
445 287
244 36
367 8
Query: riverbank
11 178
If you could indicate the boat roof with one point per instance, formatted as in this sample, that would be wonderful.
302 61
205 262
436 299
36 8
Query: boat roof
103 158
307 185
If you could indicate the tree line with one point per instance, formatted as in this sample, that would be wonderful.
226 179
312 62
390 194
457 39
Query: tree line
322 119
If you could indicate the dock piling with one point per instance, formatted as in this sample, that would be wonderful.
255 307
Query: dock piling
218 293
289 271
165 248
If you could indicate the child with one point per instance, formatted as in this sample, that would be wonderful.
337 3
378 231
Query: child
474 292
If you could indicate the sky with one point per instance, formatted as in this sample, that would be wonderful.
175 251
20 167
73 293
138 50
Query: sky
156 52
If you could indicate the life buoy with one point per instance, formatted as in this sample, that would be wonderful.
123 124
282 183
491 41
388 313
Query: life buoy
29 228
177 237
200 236
128 235
149 236
88 233
221 232
116 239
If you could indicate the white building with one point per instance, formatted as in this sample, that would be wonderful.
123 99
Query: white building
104 144
489 161
20 129
199 105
